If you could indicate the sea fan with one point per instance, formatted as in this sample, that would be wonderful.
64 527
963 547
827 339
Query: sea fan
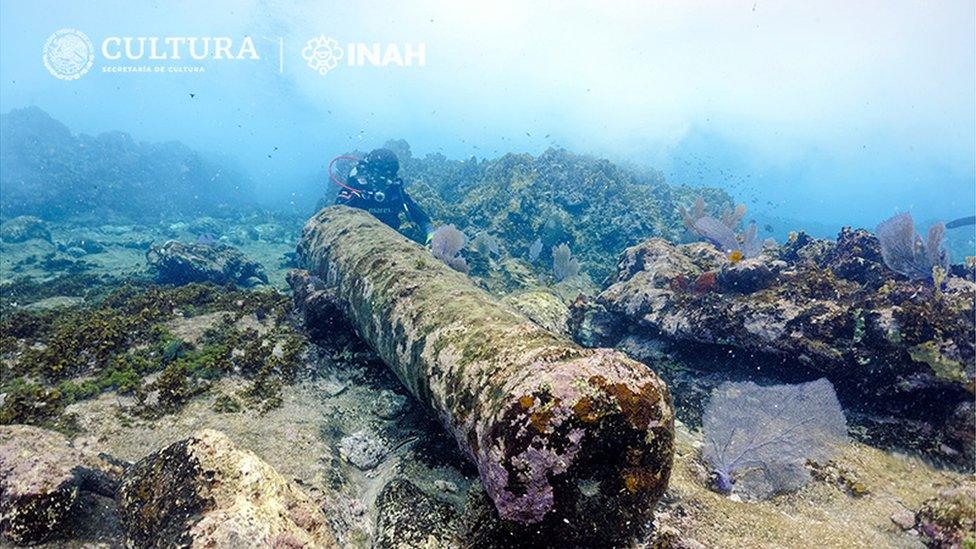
697 212
732 217
486 244
564 265
534 250
751 245
904 252
717 233
721 232
445 244
758 439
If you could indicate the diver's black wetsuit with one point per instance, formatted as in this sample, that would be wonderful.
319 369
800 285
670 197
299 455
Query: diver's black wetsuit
376 188
386 205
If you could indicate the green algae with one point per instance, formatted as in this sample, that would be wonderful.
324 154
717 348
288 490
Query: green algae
943 367
51 359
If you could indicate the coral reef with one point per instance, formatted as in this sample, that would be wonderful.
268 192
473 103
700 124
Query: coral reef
577 444
894 348
488 414
594 206
721 232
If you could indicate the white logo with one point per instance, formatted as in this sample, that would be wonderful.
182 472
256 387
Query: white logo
322 54
68 54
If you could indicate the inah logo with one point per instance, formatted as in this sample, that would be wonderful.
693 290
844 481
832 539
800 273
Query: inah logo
322 54
68 54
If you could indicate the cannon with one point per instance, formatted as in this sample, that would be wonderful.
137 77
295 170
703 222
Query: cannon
568 441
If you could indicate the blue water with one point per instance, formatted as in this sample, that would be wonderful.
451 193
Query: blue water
813 114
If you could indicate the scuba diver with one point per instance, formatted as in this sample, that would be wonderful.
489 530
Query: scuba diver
373 185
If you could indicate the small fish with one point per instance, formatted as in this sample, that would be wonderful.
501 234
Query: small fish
768 228
735 256
260 314
192 95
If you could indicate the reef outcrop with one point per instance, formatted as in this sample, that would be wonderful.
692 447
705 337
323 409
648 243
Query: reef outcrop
568 441
22 228
178 263
205 492
892 347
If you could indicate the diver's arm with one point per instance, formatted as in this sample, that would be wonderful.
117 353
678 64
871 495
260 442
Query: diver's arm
347 198
417 215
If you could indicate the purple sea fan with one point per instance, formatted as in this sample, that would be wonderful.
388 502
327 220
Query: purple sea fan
689 217
534 250
445 244
564 265
717 233
486 244
751 245
758 439
904 252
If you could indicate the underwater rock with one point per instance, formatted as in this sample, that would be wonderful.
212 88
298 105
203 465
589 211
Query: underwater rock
363 449
272 232
893 347
389 405
319 306
86 245
41 475
177 263
408 517
903 518
543 308
75 251
205 492
573 442
857 257
25 227
748 276
661 263
205 226
55 302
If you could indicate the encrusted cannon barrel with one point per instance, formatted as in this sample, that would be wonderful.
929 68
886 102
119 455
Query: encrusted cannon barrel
569 440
